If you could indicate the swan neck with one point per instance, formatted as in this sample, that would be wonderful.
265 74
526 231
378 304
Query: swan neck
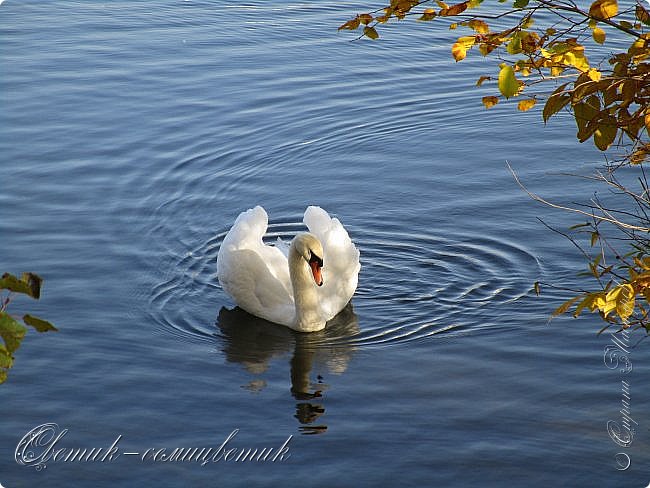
305 294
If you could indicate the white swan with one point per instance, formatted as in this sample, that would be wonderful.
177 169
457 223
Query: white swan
291 289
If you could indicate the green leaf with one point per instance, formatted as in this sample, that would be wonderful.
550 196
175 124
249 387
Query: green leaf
565 306
605 133
514 46
642 14
6 361
584 113
11 283
577 226
520 3
554 104
508 84
11 331
28 284
594 238
34 282
536 288
39 324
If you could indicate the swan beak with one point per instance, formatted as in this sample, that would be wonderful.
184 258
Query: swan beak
316 272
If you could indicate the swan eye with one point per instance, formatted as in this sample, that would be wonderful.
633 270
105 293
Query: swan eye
315 259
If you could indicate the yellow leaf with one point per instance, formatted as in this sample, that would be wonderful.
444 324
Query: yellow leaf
453 26
589 302
508 84
594 74
525 105
603 9
485 78
442 4
639 156
556 70
428 14
479 26
528 22
459 49
598 35
625 301
490 101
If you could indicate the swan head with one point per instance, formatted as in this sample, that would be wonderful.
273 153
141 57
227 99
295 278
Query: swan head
308 247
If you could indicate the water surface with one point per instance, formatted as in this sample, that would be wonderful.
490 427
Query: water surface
134 133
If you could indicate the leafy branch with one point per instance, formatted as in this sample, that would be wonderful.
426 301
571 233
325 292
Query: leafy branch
535 43
609 104
12 330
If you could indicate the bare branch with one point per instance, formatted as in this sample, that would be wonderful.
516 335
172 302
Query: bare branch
537 198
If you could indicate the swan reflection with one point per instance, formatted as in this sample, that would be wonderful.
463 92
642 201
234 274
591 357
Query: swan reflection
254 343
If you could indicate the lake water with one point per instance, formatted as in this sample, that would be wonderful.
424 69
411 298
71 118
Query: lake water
133 134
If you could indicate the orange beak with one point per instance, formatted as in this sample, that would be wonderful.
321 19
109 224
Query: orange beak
316 271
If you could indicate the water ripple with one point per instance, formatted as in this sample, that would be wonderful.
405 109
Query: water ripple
412 286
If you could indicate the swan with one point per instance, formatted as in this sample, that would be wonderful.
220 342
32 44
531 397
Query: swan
301 287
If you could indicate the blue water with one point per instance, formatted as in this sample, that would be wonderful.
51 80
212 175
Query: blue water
133 134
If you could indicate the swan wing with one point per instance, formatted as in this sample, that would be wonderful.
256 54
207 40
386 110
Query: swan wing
254 274
341 260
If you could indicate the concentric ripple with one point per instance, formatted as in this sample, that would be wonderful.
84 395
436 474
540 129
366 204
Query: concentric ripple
412 287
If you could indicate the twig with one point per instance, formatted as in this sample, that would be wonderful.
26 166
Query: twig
575 210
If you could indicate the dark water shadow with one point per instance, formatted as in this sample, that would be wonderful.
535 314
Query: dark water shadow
254 343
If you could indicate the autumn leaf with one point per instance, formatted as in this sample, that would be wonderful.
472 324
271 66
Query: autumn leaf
490 102
370 32
598 35
508 84
603 9
459 49
479 26
428 14
642 14
526 105
351 24
485 78
365 18
454 10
